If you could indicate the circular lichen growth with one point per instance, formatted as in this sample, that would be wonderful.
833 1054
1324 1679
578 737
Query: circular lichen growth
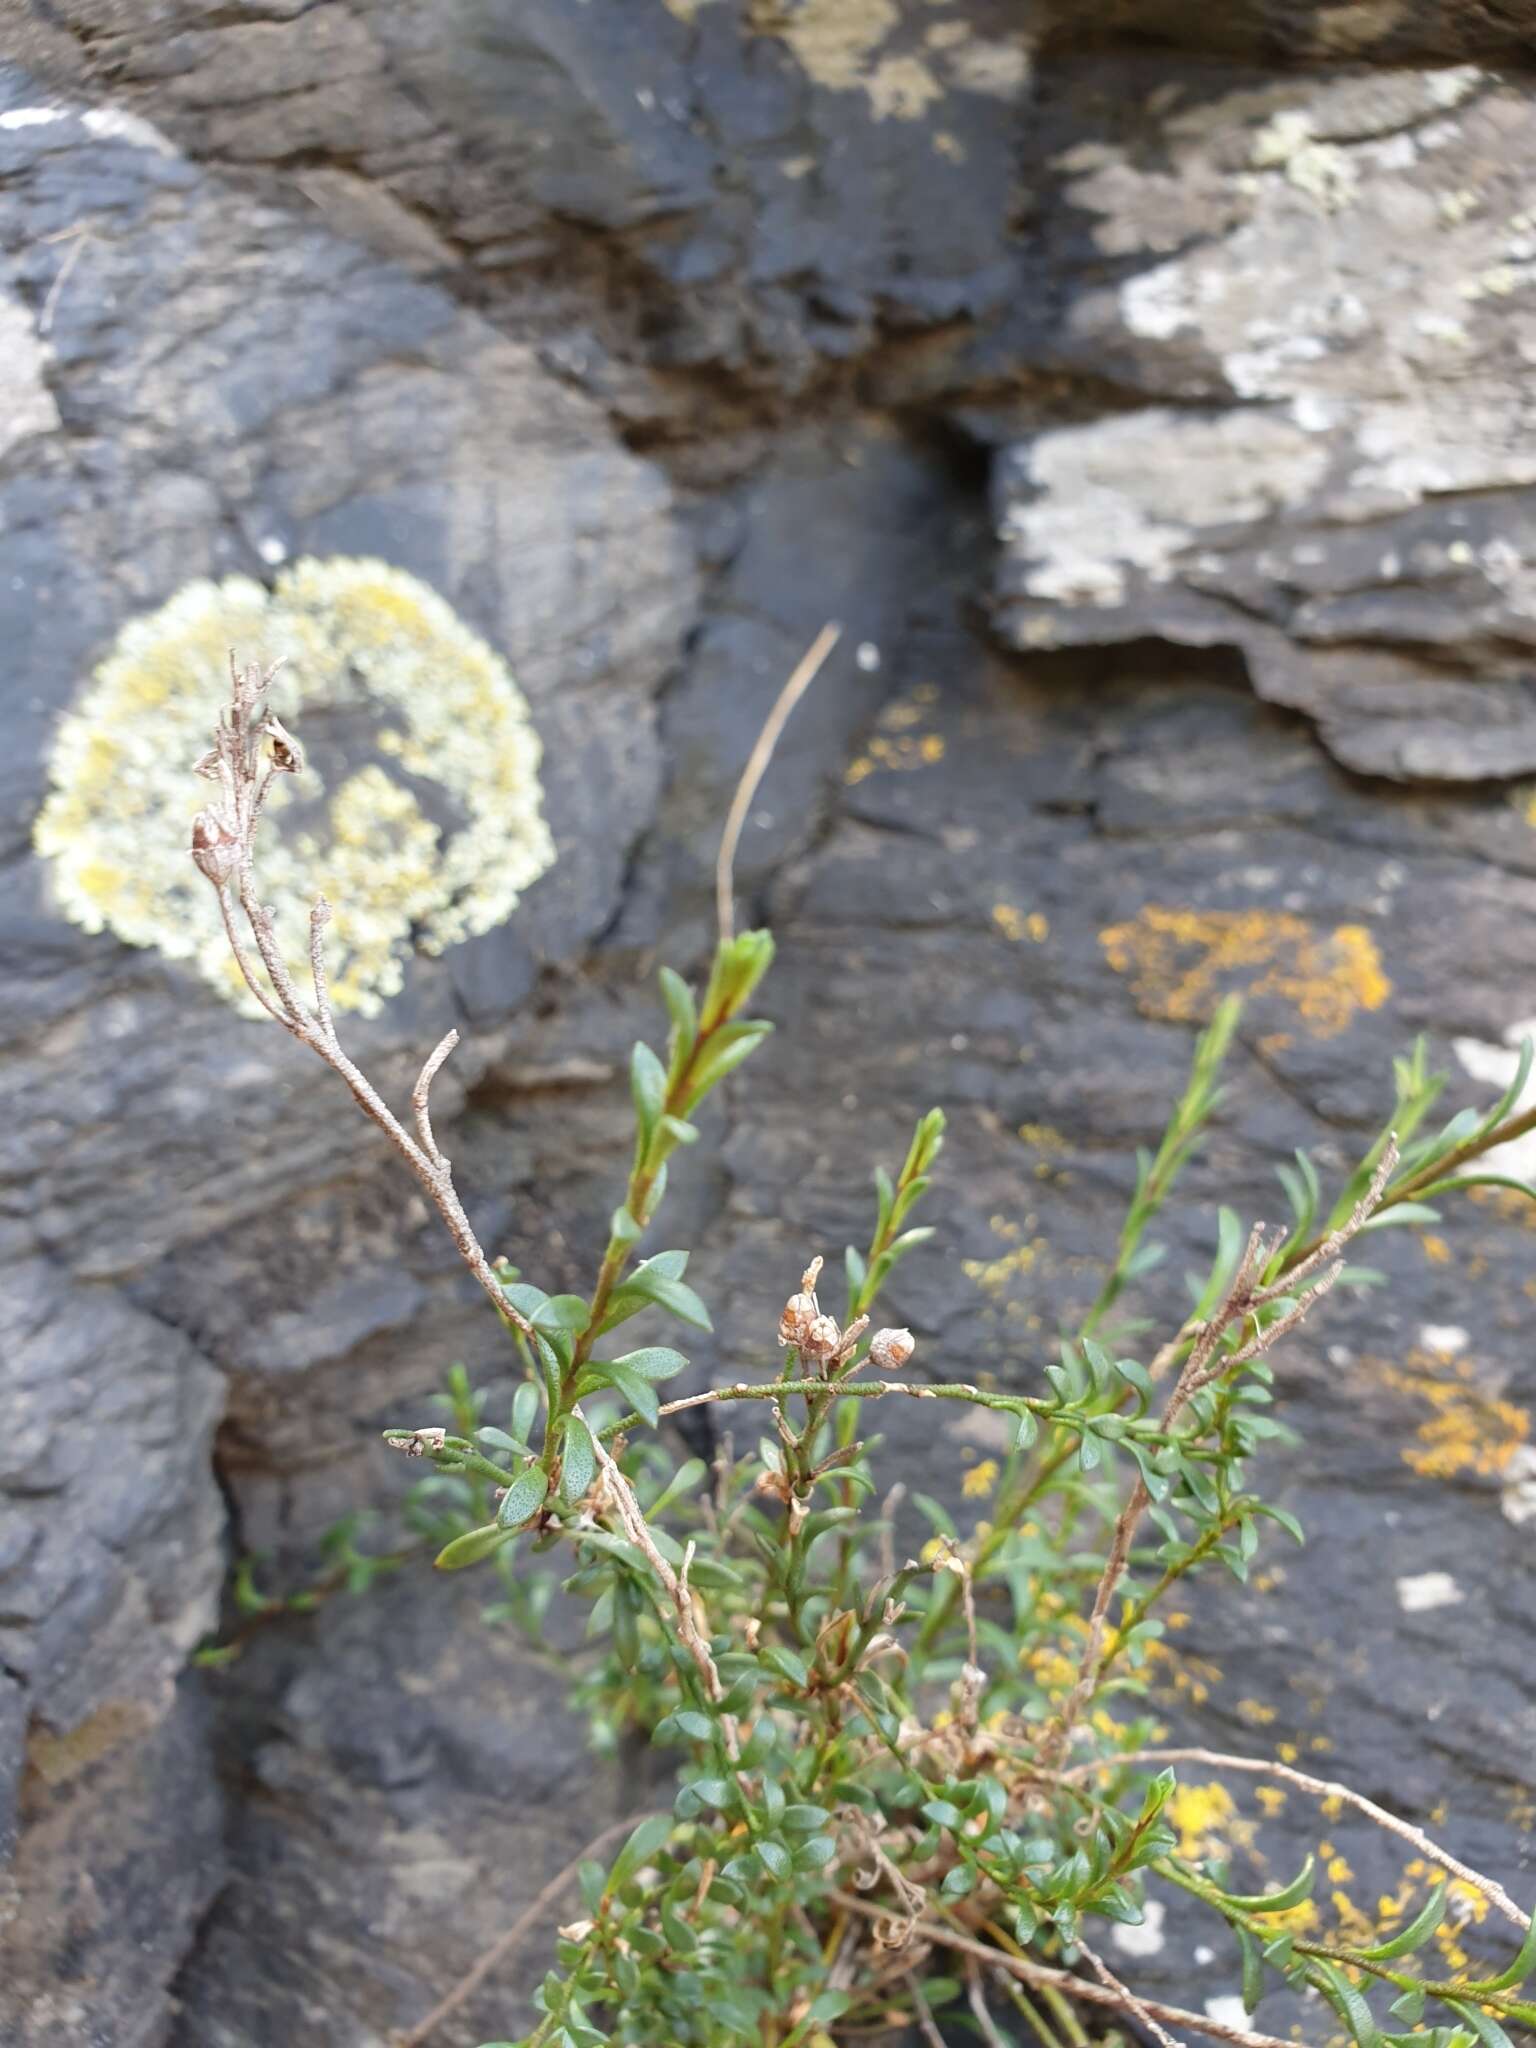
418 813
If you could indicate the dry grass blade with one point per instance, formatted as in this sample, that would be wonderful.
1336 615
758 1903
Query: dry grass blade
801 677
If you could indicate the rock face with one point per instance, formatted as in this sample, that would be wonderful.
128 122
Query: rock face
648 338
1316 300
1386 31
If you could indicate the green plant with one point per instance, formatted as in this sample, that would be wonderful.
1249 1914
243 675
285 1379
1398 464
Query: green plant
902 1782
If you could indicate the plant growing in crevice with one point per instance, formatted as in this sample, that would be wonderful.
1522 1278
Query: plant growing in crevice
904 1784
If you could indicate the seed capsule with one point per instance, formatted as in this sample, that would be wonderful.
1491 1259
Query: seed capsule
889 1350
215 848
797 1321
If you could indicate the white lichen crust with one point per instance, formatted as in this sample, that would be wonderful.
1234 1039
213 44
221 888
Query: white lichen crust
434 699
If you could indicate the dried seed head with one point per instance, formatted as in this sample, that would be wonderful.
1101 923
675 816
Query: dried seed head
889 1350
576 1930
416 1443
797 1321
215 847
772 1486
287 754
849 1342
821 1339
811 1274
208 765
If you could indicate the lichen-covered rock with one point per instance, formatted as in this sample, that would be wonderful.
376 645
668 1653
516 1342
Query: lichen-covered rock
643 182
1316 290
210 389
1386 31
1250 345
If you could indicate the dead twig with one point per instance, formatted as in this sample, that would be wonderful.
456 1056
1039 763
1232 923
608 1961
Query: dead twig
675 1584
976 1996
1133 2004
1073 1987
251 749
922 2013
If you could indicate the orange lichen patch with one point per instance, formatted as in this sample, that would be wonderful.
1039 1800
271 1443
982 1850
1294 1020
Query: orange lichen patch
1468 1432
1434 1248
1182 961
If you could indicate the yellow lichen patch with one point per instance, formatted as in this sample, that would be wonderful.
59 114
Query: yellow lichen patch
980 1480
1177 1674
413 686
1203 1816
1271 1800
1301 1918
832 40
1508 1204
1044 1138
995 1276
1018 924
1050 1667
1434 1248
58 1758
1466 1907
896 744
1256 1713
901 753
1468 1432
1181 961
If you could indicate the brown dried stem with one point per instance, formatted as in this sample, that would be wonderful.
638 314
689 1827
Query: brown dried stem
1027 1972
1133 2004
675 1584
250 750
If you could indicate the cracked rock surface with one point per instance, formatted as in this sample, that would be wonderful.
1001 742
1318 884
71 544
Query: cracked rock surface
1154 419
